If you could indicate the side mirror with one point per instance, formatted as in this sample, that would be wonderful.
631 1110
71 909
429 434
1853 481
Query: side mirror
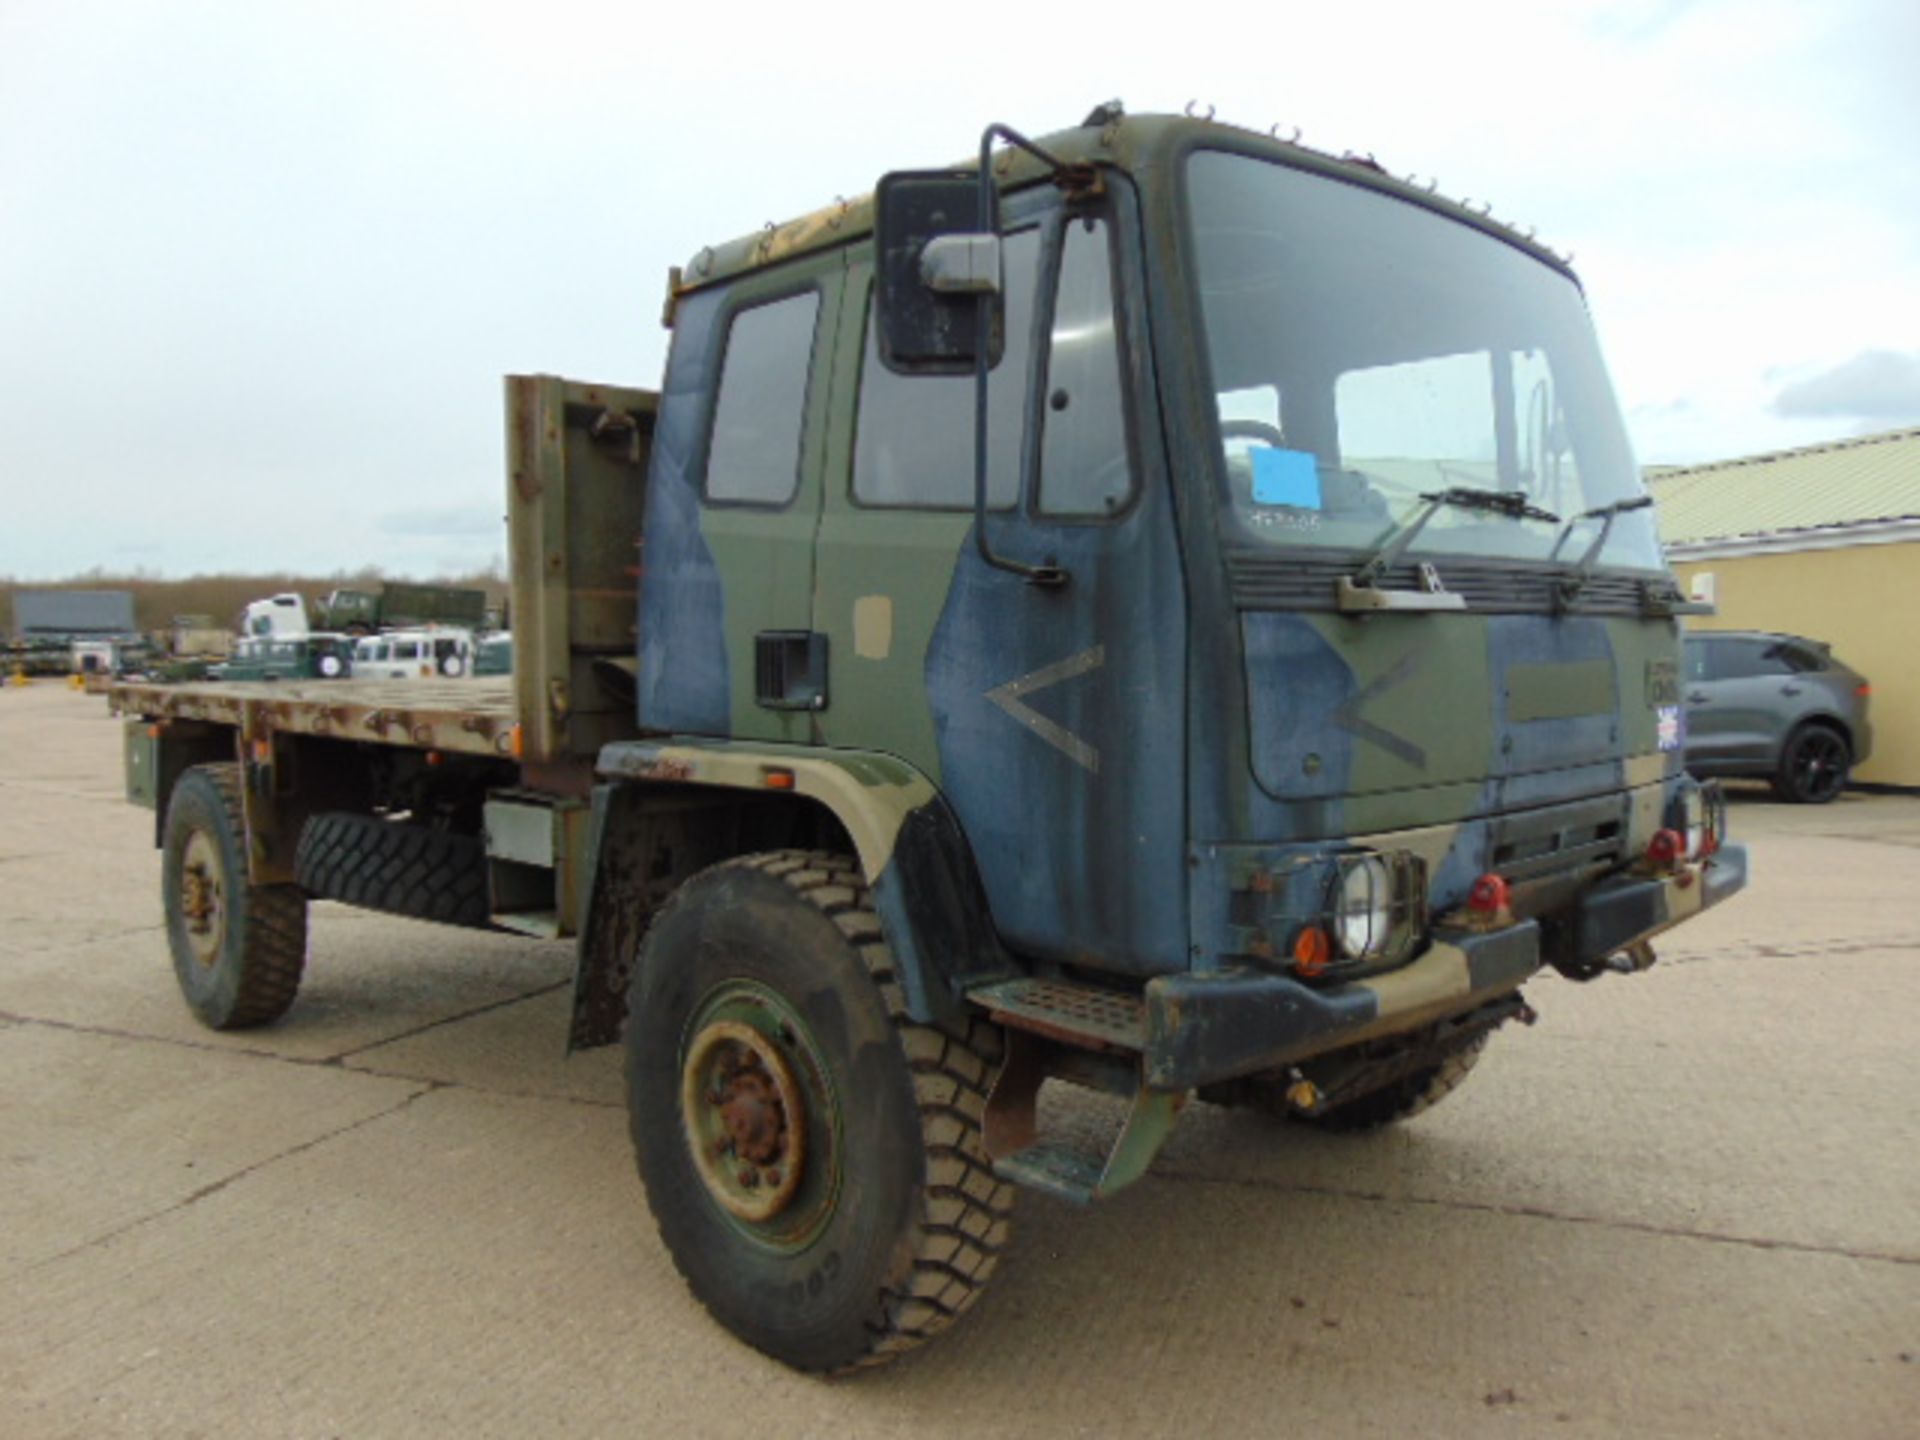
933 265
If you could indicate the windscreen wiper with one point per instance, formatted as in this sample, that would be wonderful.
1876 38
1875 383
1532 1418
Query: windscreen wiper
1357 592
1583 569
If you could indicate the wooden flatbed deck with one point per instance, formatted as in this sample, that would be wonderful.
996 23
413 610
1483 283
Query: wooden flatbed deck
466 716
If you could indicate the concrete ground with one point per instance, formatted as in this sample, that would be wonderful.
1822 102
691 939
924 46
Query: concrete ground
1682 1204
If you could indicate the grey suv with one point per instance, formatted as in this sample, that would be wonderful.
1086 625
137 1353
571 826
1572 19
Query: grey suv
1777 707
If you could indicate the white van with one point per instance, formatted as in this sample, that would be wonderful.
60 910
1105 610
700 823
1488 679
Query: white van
413 655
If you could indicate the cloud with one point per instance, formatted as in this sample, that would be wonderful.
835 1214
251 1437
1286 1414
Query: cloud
1875 385
452 520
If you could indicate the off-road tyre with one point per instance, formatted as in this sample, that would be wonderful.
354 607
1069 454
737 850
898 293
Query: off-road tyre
898 1220
394 867
238 948
1814 764
1402 1100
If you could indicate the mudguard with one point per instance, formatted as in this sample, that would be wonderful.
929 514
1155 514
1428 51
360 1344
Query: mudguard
926 886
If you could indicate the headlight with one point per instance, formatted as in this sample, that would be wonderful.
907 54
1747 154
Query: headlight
1363 907
1377 903
1693 810
1697 813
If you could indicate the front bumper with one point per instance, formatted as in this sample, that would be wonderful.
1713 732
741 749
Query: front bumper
1203 1027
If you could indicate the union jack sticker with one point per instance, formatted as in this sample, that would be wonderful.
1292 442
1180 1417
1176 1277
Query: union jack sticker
1671 731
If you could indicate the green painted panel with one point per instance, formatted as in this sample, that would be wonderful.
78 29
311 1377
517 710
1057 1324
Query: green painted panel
1560 691
880 585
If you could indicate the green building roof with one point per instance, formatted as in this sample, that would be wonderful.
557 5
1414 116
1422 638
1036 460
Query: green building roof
1867 481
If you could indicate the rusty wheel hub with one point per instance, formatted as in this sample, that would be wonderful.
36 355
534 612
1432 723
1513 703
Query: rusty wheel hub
203 899
745 1117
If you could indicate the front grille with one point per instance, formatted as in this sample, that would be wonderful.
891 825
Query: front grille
1261 581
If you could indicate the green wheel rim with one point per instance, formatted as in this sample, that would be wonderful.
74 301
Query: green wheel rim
759 1115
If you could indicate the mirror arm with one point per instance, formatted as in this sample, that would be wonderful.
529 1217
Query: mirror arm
1049 576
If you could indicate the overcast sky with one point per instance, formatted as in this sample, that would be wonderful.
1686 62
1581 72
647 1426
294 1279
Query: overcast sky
262 265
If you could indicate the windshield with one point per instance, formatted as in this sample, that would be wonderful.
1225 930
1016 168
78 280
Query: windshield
1366 352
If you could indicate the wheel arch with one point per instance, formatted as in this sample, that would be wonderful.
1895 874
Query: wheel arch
1825 719
663 812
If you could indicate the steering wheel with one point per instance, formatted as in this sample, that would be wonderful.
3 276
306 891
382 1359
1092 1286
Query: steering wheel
1252 430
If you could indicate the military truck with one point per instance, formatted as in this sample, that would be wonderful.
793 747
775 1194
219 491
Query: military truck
1161 609
397 605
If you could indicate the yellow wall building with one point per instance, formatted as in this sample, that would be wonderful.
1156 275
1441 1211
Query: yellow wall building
1822 542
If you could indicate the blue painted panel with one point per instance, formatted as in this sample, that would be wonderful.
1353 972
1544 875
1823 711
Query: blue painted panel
1060 720
683 683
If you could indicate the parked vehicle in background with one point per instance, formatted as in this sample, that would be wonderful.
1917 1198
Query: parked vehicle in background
295 657
399 606
199 636
1775 707
284 615
413 655
493 654
49 624
95 657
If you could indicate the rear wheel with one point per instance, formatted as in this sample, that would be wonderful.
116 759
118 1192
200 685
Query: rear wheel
238 948
812 1155
1813 765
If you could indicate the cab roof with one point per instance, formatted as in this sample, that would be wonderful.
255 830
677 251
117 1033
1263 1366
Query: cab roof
1133 144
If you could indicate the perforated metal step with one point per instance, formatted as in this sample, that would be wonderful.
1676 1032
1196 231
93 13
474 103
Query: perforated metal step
1083 1015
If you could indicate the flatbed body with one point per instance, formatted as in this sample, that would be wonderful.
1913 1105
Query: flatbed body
466 716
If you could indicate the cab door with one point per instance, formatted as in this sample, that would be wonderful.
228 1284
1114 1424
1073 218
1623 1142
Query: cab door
1051 718
733 500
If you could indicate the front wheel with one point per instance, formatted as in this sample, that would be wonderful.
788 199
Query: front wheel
1813 766
812 1155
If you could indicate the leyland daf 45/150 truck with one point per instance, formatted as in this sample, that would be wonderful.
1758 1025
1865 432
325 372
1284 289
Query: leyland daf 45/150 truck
1166 610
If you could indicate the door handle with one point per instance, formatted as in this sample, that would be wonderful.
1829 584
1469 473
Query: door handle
1696 697
1789 689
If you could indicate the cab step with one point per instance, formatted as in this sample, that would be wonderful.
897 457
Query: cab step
1088 1037
1068 1172
1086 1016
1057 1170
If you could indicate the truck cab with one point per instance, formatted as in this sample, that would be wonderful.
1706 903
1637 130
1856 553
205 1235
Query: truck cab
1360 609
281 616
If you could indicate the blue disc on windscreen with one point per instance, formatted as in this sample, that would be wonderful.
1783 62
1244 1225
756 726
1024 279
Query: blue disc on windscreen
1286 477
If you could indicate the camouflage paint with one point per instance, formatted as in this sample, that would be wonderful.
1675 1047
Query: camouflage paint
1095 743
684 659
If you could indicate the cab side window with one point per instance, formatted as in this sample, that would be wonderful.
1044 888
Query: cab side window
1798 659
914 445
754 455
1084 469
1750 659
